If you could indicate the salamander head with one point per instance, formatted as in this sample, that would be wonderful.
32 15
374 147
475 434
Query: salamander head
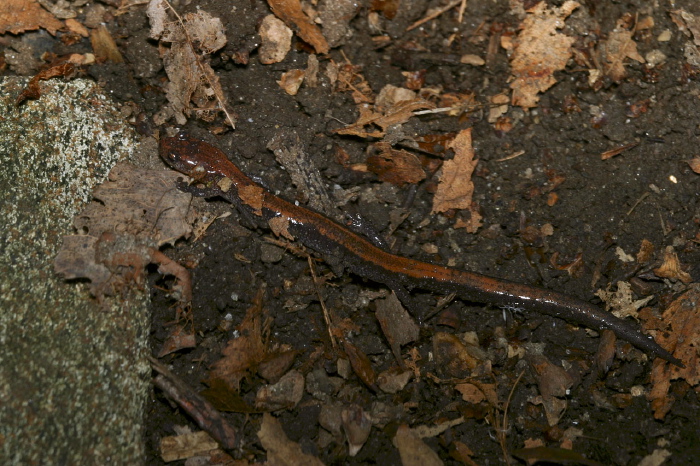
192 157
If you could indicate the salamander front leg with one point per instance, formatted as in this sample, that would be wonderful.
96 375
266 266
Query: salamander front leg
408 301
198 190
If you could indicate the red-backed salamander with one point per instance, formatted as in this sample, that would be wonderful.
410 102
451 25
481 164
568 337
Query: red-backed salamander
214 175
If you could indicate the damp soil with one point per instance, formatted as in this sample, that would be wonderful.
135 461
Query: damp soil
597 212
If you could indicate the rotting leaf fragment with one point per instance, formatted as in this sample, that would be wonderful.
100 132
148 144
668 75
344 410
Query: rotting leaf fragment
17 16
145 211
539 51
290 11
243 354
280 450
682 338
33 91
617 49
394 166
193 87
456 187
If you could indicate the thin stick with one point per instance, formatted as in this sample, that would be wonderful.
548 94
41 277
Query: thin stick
203 413
435 14
511 156
326 315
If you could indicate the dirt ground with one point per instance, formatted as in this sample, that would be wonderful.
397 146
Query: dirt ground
554 214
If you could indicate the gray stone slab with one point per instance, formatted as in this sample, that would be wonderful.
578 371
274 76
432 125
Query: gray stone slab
73 374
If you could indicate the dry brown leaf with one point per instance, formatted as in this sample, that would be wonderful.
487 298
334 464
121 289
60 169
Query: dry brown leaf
553 407
275 40
553 383
460 104
187 445
391 95
104 46
617 49
473 223
435 144
300 166
682 338
398 326
349 78
694 164
311 73
388 8
539 51
688 23
243 354
253 197
193 87
394 166
462 453
222 398
452 356
646 252
76 259
77 27
413 450
33 91
671 267
552 380
608 154
180 336
280 227
433 430
139 202
291 81
361 364
370 118
280 450
605 355
455 187
291 13
17 16
470 393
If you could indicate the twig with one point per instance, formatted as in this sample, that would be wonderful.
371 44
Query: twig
203 413
511 156
637 202
501 433
326 315
435 14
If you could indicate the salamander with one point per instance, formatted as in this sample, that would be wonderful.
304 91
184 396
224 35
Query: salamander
214 175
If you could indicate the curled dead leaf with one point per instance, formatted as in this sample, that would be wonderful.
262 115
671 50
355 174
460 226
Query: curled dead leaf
671 267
